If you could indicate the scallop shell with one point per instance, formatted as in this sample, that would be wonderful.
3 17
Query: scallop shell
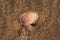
28 18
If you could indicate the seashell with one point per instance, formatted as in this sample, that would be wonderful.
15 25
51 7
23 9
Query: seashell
28 18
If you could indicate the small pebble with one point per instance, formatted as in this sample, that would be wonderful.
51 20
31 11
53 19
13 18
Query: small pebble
28 18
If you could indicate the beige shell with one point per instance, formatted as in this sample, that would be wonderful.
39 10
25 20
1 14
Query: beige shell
28 18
